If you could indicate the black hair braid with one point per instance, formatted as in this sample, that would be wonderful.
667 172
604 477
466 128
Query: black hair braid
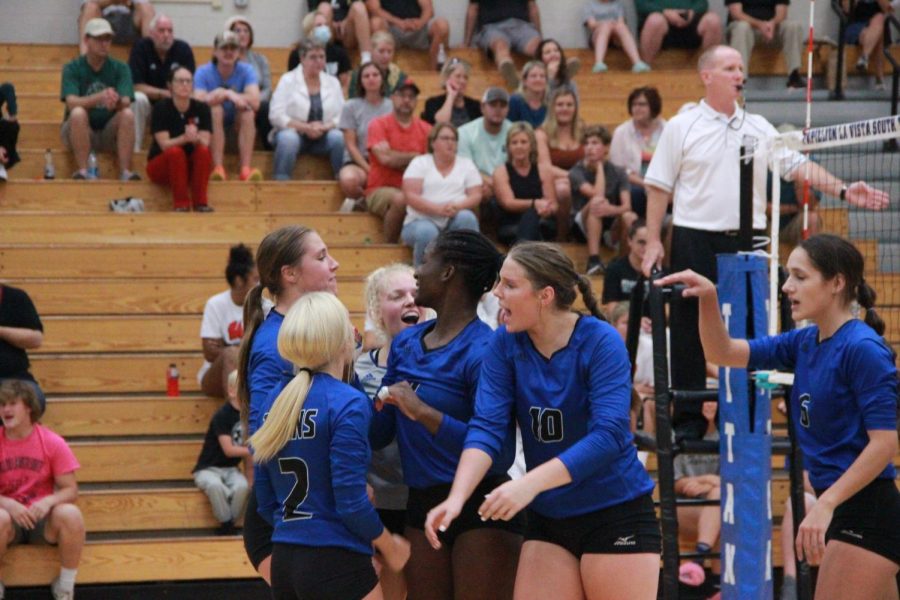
866 296
473 255
587 294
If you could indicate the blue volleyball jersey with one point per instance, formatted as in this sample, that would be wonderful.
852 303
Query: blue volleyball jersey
446 379
314 491
266 367
572 406
843 387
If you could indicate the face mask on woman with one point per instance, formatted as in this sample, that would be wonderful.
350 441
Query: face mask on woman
321 34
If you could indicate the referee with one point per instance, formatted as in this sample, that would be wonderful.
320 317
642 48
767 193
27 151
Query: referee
696 166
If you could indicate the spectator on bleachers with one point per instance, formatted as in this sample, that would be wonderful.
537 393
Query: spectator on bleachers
560 70
394 141
697 476
600 196
304 113
676 24
484 139
354 122
9 129
218 471
634 142
20 330
337 60
413 25
230 87
98 92
498 28
529 102
624 272
349 20
525 193
453 106
151 60
866 28
383 47
765 21
559 147
129 19
244 30
603 20
179 155
441 189
390 296
37 486
223 323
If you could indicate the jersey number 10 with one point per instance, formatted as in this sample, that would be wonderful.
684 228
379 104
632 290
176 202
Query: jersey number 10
546 424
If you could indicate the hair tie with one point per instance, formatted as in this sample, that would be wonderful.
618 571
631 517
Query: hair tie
862 282
307 370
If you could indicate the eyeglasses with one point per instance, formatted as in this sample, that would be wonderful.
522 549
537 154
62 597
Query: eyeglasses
182 80
446 138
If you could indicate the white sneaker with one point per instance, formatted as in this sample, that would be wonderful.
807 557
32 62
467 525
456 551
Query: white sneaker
60 594
348 205
3 177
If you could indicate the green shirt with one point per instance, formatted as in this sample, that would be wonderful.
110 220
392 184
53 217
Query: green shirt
79 79
487 151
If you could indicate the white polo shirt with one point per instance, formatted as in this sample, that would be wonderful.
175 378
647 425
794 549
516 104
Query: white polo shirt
697 160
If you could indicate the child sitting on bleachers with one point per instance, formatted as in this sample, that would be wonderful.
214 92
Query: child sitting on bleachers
37 485
217 472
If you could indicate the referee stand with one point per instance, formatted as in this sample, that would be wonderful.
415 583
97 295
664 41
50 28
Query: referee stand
746 442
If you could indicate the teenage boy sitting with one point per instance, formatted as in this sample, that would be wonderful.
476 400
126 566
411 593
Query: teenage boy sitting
37 485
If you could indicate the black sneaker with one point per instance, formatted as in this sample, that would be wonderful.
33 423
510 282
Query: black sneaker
595 267
796 80
226 528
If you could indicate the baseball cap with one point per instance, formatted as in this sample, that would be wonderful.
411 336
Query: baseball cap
97 28
407 82
495 94
227 39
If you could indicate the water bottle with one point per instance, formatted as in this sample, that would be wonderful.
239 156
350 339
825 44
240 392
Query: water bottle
172 381
93 171
441 57
49 169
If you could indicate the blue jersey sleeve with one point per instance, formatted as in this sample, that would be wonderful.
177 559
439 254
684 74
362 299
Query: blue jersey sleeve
609 397
266 500
350 456
775 352
873 379
494 398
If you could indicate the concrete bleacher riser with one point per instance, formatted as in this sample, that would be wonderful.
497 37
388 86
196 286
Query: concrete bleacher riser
121 298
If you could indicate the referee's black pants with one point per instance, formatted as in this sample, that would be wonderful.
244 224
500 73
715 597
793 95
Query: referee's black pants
692 249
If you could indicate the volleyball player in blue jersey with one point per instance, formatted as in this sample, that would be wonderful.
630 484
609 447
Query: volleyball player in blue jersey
844 402
432 374
312 451
291 261
592 530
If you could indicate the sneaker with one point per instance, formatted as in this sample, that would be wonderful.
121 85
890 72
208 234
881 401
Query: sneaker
573 65
691 574
119 205
204 208
510 76
80 174
348 205
795 80
640 67
60 594
600 67
248 174
3 174
226 528
182 209
129 176
135 205
218 174
862 65
595 267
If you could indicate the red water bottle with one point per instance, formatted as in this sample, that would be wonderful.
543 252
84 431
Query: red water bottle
172 381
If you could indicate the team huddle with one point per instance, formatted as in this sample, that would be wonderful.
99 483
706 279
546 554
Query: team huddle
434 431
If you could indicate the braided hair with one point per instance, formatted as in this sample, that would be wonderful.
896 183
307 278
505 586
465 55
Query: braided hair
473 256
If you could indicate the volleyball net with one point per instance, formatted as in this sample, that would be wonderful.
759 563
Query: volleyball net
854 151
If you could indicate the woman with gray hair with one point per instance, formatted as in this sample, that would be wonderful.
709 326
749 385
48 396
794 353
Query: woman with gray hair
304 113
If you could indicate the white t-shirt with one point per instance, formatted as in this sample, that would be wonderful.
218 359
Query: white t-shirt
438 189
222 320
697 160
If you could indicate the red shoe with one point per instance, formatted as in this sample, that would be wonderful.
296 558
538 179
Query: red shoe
691 574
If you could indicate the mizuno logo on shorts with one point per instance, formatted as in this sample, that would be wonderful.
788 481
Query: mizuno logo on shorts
852 533
628 540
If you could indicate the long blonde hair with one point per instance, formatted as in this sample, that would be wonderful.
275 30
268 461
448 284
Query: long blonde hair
551 125
316 333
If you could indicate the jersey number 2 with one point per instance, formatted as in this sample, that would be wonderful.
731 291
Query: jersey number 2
546 424
296 467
